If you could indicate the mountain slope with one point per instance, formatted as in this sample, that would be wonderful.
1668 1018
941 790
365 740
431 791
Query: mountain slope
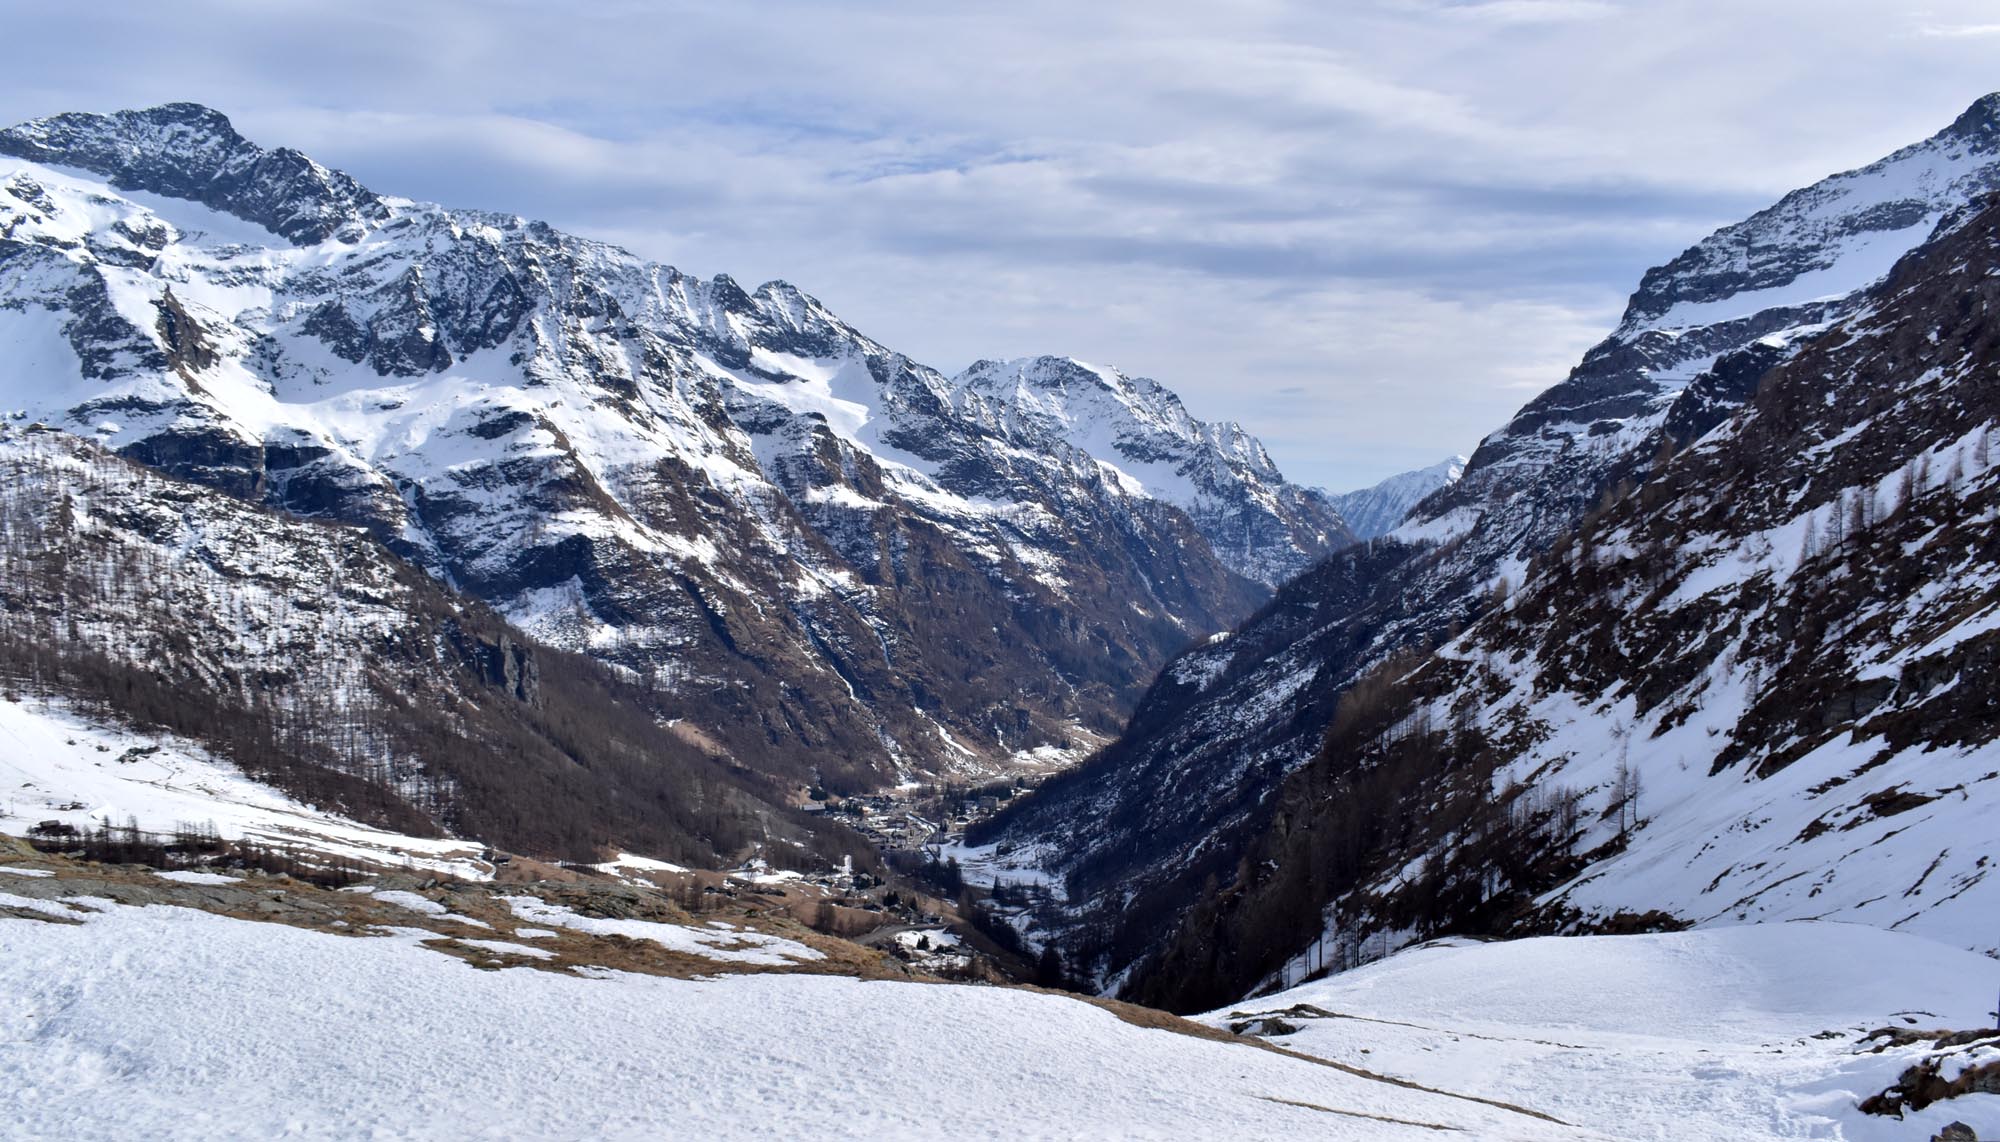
1188 788
1760 687
316 662
1383 508
793 530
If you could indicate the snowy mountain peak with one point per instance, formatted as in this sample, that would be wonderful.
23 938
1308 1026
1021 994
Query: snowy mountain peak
1136 418
1980 122
1380 509
186 150
1702 328
1149 444
1828 239
630 461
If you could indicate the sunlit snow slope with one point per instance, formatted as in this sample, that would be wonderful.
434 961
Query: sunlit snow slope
56 765
1718 1034
167 1023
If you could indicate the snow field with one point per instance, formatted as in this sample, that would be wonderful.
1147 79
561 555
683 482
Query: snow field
1708 1034
167 1023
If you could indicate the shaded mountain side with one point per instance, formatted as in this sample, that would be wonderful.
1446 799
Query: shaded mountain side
1763 685
326 667
805 540
1216 737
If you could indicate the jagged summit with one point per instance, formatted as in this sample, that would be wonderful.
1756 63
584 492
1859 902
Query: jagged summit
1265 528
186 150
1981 121
1811 244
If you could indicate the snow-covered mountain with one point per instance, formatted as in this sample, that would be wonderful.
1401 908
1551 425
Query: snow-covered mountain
1220 475
1759 687
785 525
1382 509
1181 800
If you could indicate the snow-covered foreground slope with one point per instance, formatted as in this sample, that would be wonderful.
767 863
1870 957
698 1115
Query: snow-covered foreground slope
1695 1035
166 1022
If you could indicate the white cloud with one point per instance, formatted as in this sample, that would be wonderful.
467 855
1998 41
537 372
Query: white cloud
1529 11
1368 229
1959 31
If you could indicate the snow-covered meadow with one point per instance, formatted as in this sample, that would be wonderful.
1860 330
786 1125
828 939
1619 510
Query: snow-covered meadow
163 1022
1718 1033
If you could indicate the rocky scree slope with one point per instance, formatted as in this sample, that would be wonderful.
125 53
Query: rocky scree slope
1137 831
781 524
323 665
1761 686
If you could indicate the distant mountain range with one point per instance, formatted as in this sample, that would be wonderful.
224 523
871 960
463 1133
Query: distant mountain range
1383 508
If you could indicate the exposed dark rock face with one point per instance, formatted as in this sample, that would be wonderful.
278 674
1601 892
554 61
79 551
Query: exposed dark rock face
1191 785
187 346
1964 1056
800 536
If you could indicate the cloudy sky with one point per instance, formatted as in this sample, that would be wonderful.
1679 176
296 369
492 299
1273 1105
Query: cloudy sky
1368 229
